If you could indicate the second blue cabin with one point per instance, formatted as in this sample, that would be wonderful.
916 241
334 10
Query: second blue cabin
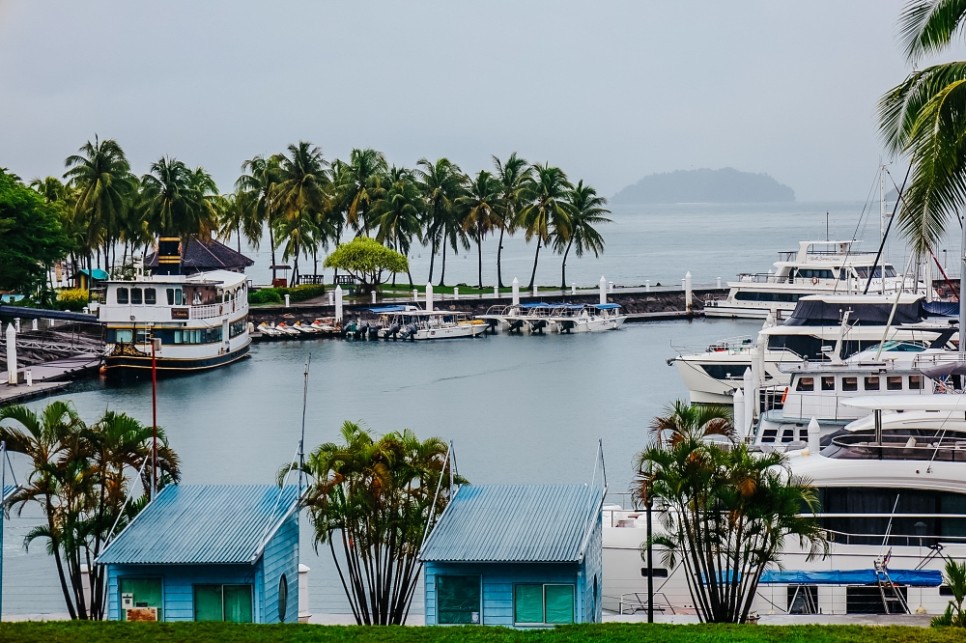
208 553
516 555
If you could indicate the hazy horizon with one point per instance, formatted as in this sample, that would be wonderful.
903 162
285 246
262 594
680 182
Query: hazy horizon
608 93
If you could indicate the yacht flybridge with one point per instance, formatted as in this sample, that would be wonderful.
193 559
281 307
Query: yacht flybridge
817 267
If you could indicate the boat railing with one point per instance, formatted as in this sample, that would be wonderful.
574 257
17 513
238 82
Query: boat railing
634 602
763 278
740 344
892 539
208 311
862 446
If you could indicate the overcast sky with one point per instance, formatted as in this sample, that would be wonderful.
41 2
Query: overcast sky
608 91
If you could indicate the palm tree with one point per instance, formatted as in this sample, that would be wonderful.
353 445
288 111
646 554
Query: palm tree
398 213
174 199
102 178
479 205
548 210
360 182
586 210
301 199
441 184
924 118
255 188
514 177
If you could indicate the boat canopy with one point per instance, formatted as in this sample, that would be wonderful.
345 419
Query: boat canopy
607 306
908 402
816 310
395 308
910 577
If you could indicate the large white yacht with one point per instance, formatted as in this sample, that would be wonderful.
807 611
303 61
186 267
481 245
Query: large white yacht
817 267
818 323
892 494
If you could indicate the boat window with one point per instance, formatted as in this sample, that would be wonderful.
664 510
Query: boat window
828 382
894 383
150 296
916 383
123 335
136 296
122 295
872 383
805 384
850 384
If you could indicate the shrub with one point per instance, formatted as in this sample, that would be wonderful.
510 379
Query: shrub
265 296
304 291
71 299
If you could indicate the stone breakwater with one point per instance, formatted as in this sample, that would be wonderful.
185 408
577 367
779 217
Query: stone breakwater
639 305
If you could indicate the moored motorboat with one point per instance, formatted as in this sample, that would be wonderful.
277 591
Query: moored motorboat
415 324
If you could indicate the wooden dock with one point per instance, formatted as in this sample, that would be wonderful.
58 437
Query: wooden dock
49 377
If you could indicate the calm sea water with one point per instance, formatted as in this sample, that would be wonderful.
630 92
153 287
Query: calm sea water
518 409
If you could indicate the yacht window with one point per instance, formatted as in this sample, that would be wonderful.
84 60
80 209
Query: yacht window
150 296
135 295
894 383
805 384
915 383
872 383
122 296
850 384
828 382
123 336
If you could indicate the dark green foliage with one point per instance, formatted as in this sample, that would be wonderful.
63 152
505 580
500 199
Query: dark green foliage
32 236
266 296
303 292
610 633
955 578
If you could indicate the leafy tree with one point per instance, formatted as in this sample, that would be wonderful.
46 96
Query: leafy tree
371 501
398 213
174 200
255 188
366 259
925 117
441 184
33 237
360 183
479 205
727 512
105 188
955 577
80 476
548 209
586 210
514 177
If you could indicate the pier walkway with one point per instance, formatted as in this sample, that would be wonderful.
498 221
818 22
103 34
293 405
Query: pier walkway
48 377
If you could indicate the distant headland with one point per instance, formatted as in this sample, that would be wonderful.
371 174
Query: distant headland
726 185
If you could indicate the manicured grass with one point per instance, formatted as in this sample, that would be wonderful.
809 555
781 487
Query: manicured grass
612 632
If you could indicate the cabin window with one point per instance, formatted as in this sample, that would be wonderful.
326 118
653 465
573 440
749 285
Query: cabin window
142 597
872 383
122 295
174 296
228 603
458 600
850 384
894 383
828 382
916 383
805 384
123 336
136 296
150 296
543 604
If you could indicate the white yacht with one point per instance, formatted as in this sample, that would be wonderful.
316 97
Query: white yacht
817 267
198 322
818 322
415 324
586 318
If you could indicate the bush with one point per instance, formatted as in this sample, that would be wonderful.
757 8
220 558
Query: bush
304 291
71 299
266 296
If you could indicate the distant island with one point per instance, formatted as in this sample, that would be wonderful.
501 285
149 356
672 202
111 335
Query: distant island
726 185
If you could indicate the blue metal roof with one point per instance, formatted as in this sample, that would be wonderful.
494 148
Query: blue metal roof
515 523
203 524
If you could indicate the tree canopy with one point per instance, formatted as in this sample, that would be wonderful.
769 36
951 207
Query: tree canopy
33 237
367 260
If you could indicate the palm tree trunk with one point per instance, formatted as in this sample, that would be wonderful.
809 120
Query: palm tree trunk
479 252
442 269
432 260
499 253
563 266
533 275
271 242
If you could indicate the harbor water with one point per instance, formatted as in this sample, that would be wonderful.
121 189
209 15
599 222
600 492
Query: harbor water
518 409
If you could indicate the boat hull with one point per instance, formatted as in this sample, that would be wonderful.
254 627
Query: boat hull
131 366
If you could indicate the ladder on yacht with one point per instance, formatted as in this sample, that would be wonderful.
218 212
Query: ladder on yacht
888 590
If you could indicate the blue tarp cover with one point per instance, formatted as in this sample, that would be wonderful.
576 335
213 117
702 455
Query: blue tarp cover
942 308
387 309
911 577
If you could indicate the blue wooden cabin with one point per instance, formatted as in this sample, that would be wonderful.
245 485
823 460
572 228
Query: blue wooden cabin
516 555
208 553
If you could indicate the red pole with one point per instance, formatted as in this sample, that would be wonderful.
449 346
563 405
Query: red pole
154 417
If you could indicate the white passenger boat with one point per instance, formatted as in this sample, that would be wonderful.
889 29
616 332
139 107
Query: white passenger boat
586 318
892 494
199 322
712 375
505 318
415 324
817 267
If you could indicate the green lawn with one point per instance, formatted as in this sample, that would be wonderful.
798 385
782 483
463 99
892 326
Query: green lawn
636 633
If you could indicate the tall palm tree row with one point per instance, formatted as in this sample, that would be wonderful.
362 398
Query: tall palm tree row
304 204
